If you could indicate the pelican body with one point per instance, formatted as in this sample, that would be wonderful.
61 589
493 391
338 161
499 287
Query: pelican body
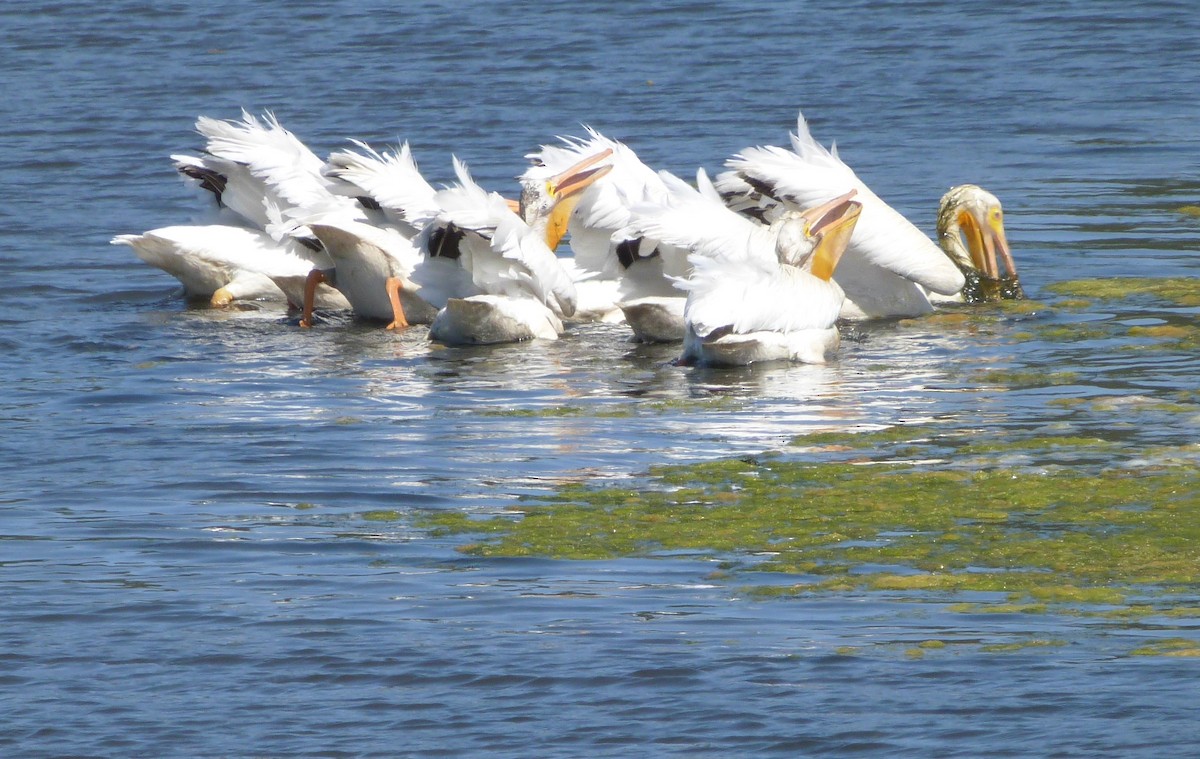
491 271
755 293
259 174
618 267
890 268
374 257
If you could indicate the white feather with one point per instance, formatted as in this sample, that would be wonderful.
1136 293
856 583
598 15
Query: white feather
886 251
504 285
603 209
392 179
246 262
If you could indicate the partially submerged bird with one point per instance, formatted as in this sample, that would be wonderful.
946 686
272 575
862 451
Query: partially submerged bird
481 269
222 263
371 261
756 293
491 270
258 173
890 267
617 266
970 228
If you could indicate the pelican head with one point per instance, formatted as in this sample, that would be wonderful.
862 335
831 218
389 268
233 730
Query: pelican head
816 237
546 204
970 230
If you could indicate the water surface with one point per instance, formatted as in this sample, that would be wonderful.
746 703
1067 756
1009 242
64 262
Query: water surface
188 563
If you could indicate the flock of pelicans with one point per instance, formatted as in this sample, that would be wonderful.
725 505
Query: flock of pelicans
757 264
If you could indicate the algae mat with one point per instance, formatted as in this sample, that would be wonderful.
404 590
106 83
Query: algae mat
1093 511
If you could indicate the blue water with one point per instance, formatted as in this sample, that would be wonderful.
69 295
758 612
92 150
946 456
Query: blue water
187 566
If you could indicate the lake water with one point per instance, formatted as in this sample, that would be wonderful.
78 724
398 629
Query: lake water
188 566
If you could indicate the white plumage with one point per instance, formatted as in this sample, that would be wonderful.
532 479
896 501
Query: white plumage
889 263
503 258
752 294
217 258
637 271
391 180
260 174
372 262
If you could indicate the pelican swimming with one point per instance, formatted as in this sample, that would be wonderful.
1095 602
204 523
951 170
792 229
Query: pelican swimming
490 270
616 268
223 263
371 261
258 173
970 229
890 268
755 293
392 276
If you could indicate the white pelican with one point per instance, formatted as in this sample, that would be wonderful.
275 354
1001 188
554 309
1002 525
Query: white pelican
616 267
216 262
225 262
259 173
378 269
261 163
372 261
889 267
755 293
972 213
362 209
490 270
370 265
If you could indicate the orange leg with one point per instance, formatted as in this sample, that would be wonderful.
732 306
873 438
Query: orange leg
221 298
315 277
394 285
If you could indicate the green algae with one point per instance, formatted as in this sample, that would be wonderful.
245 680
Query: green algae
1043 444
1074 333
1081 294
1178 337
1182 291
1023 307
868 439
1074 538
1078 517
1080 529
548 412
1181 337
1168 647
382 515
1023 645
998 608
1023 378
1074 304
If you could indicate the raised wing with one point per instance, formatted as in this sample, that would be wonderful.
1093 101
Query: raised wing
390 179
244 195
602 209
501 253
289 170
809 174
699 222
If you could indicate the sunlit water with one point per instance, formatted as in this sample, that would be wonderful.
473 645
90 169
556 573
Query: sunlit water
186 563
